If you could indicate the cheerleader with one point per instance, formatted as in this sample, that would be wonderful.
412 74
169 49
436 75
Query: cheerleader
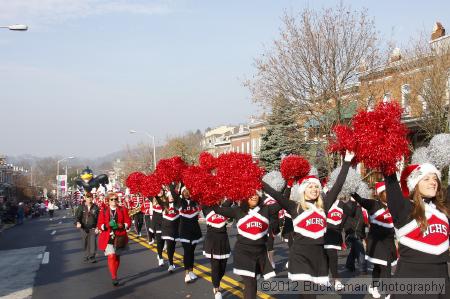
333 238
381 250
155 228
138 218
146 209
422 225
113 223
217 245
169 226
189 229
307 258
250 251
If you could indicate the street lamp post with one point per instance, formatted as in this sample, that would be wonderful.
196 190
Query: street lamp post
57 174
16 27
153 141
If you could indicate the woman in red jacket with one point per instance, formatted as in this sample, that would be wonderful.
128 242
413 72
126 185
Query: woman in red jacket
113 221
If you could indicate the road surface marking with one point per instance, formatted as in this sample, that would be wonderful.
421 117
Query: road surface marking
205 272
46 258
53 232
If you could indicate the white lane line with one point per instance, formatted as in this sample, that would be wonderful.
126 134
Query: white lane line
53 232
46 258
39 256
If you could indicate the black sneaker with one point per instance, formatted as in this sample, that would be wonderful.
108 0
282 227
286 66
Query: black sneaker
115 282
86 260
93 260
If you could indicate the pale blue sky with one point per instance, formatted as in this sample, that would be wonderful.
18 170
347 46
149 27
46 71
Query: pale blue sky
87 71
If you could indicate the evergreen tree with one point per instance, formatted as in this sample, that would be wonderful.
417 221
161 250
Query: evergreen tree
283 135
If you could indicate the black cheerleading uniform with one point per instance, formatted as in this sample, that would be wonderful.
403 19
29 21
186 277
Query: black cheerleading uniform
189 229
421 255
217 245
155 226
250 251
333 236
307 258
169 227
381 248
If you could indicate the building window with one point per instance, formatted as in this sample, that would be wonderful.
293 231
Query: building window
406 96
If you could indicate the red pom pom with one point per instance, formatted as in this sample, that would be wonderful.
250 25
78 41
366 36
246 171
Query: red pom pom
151 185
170 170
238 176
344 140
202 185
381 138
207 161
294 166
133 182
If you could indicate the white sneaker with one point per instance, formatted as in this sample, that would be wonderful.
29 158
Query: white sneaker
374 292
151 242
338 286
160 262
139 235
187 278
217 295
192 275
171 268
387 296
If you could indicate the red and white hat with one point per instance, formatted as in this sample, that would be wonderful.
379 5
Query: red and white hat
380 187
412 175
300 186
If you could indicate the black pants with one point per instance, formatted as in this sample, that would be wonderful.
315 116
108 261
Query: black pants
89 243
159 245
358 253
170 250
249 287
138 222
188 256
147 222
332 256
218 268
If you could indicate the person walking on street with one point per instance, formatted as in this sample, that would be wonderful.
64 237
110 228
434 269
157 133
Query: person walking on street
20 213
51 208
86 217
113 222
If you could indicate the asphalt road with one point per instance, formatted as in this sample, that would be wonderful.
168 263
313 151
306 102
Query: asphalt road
43 259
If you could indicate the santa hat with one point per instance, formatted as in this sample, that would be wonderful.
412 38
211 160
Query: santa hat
412 175
300 186
380 187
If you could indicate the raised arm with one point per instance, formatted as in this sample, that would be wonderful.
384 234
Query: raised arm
281 197
367 204
332 195
176 197
399 207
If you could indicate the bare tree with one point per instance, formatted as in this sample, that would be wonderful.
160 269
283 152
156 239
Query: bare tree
187 147
315 61
426 69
